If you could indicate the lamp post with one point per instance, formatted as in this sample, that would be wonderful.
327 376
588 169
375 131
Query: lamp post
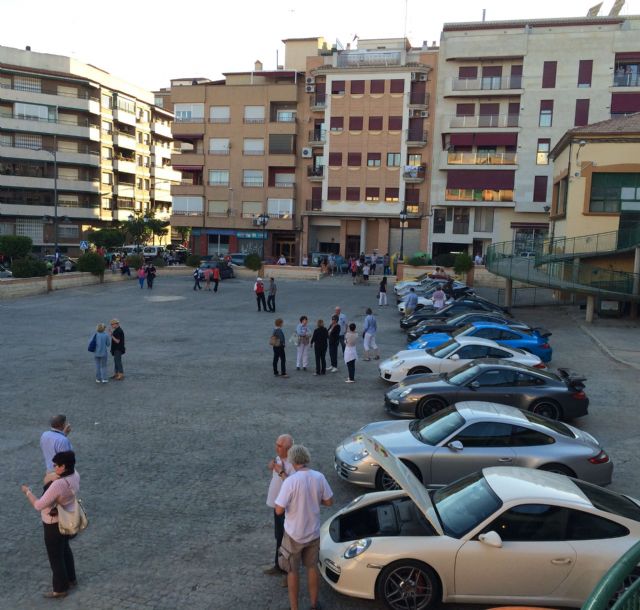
403 219
263 219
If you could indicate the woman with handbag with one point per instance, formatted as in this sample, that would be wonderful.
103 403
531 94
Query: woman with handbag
277 342
100 342
60 493
304 338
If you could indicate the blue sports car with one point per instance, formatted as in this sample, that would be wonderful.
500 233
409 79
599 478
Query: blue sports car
534 341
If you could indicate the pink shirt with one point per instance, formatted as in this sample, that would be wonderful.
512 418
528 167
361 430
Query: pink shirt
62 491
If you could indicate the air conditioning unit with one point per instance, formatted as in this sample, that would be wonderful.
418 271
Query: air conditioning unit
310 80
424 114
310 88
414 76
414 114
422 76
307 153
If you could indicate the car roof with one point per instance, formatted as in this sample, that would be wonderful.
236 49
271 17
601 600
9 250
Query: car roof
489 324
481 409
478 341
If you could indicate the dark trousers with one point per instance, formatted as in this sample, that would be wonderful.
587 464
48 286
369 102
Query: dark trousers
261 300
196 283
150 279
278 354
351 368
60 557
333 354
278 523
320 352
271 302
117 361
342 342
215 285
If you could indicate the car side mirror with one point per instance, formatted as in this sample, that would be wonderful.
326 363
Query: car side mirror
455 446
474 385
491 539
454 357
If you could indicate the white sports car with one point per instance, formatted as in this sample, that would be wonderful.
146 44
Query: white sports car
449 356
504 535
424 301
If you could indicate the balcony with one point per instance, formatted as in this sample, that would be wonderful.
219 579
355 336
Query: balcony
165 173
32 124
317 137
123 140
364 59
479 195
314 205
187 160
253 120
315 174
318 102
253 183
252 153
161 152
487 84
484 121
125 166
124 116
80 101
161 195
124 190
476 158
419 99
416 137
161 129
414 174
75 157
626 80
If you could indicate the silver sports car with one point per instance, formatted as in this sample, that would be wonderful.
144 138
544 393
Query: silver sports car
469 436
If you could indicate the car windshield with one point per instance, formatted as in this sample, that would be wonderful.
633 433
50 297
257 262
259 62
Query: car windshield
556 426
435 428
464 504
609 501
462 331
464 375
444 350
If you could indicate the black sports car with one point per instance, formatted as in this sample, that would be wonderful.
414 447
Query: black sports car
554 396
462 305
451 324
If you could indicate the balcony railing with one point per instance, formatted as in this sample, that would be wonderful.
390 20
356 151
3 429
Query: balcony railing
414 173
189 119
488 120
319 100
253 121
222 119
283 118
356 59
475 158
318 136
26 117
253 153
417 135
626 80
314 205
80 95
488 83
478 195
220 152
315 172
253 183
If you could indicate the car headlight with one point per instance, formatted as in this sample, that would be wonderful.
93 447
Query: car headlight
393 358
397 363
357 547
405 393
360 455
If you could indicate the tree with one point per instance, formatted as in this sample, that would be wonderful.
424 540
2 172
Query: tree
185 234
28 266
15 246
137 228
463 263
107 238
157 227
92 262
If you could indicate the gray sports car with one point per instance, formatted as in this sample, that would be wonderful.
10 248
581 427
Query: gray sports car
469 436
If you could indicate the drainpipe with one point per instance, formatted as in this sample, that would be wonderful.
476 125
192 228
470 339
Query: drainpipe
636 282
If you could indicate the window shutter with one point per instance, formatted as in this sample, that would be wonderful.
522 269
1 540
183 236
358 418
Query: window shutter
395 123
540 188
372 193
412 196
355 123
372 156
546 105
354 159
336 123
333 193
491 71
585 68
465 109
549 74
582 113
377 86
391 194
335 159
397 85
375 123
337 87
357 87
468 72
353 193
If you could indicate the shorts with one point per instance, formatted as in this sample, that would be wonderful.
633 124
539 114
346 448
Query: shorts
292 553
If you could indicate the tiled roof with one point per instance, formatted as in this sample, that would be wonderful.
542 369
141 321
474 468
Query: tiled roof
625 124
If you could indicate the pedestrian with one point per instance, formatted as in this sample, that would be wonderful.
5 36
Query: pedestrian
374 262
365 273
478 259
271 299
299 500
124 269
320 340
386 261
334 341
277 342
332 264
150 272
342 321
438 298
280 468
410 302
369 336
302 352
117 349
61 492
350 353
53 441
196 279
354 270
382 292
448 289
258 288
140 275
282 260
102 342
305 261
207 279
216 278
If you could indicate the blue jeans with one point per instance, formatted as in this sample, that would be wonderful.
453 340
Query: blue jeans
101 367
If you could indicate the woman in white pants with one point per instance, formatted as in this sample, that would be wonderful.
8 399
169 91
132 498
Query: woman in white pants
302 352
382 292
370 329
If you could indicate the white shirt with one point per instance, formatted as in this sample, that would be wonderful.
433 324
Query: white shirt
276 481
301 496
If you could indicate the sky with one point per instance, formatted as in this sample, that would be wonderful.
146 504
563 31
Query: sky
150 42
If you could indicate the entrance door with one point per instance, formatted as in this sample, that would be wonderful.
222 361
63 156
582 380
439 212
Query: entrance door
352 247
288 248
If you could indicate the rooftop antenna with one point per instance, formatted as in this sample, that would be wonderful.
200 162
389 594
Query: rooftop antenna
616 8
406 12
594 10
484 14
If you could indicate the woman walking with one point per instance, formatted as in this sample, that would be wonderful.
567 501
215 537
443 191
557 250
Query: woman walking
103 342
302 352
277 342
350 352
369 334
141 276
60 492
319 341
334 341
150 271
382 292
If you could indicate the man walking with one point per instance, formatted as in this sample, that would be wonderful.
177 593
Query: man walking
271 299
196 279
342 321
55 440
258 288
216 278
299 501
410 302
280 469
117 349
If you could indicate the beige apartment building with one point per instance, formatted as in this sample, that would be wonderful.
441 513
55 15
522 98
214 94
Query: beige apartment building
79 149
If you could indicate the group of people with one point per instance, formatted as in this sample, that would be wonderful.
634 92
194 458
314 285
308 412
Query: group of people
147 272
108 339
207 275
269 303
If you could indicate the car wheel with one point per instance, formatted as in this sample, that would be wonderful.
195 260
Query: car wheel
408 584
429 406
547 408
385 482
419 369
626 584
558 468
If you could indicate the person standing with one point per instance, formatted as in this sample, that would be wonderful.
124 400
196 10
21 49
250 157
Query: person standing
117 349
62 492
438 298
410 302
369 334
282 260
382 292
280 469
386 264
319 340
207 279
150 272
332 264
300 498
271 299
365 273
258 288
55 440
350 353
278 350
103 341
374 262
196 279
302 352
334 341
342 321
216 278
140 275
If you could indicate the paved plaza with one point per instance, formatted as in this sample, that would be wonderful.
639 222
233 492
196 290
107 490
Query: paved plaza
173 458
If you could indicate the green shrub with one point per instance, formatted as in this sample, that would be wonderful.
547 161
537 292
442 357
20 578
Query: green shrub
193 260
252 261
135 261
29 266
463 263
419 259
15 246
445 260
92 262
158 261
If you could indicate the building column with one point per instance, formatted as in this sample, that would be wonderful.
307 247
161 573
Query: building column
383 236
591 305
508 287
424 233
304 238
363 235
636 282
343 237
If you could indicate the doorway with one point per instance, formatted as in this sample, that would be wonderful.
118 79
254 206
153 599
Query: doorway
352 247
288 248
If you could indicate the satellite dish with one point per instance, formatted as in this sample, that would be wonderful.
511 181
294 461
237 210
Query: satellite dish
594 10
616 8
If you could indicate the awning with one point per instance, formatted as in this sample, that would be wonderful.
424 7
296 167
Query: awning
529 225
628 56
461 139
498 179
625 102
496 139
187 168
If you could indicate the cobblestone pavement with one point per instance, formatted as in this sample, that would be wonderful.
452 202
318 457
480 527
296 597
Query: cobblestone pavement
173 458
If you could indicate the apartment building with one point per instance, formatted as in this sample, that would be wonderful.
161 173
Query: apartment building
79 149
507 92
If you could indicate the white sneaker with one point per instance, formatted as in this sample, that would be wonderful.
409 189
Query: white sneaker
350 381
333 369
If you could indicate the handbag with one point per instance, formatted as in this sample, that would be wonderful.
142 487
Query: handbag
72 522
92 344
294 339
274 341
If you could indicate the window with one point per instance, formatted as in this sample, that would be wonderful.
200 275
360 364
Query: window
615 192
138 183
540 188
471 352
280 208
254 114
525 437
6 139
355 123
357 87
354 159
391 195
374 159
546 113
549 69
252 178
28 140
251 209
491 77
376 86
107 153
414 160
139 160
107 178
372 193
34 112
468 72
531 523
217 208
585 68
542 154
334 193
337 87
494 378
461 221
187 206
106 100
253 146
219 114
393 159
284 179
335 159
395 123
30 227
582 113
584 526
375 123
282 144
189 112
219 177
353 193
396 85
218 146
485 434
336 123
465 109
286 115
483 220
560 196
107 127
27 83
70 200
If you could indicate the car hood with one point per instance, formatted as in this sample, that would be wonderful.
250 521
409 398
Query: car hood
404 477
394 434
407 354
432 340
433 379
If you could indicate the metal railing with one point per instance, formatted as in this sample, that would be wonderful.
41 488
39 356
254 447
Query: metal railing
476 158
319 100
314 205
315 172
414 172
416 135
318 135
80 95
355 59
487 83
504 195
596 243
486 120
626 80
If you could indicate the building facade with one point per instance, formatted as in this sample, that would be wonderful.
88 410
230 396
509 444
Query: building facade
76 136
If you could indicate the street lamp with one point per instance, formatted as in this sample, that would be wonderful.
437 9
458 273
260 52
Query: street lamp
403 219
262 220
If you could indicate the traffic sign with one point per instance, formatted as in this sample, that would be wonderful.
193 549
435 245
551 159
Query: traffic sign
84 245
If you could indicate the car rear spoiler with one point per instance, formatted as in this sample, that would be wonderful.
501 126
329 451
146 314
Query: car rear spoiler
572 378
543 332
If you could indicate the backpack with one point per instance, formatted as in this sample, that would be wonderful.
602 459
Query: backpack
259 288
274 341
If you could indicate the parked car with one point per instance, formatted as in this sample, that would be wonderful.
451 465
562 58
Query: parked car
151 252
500 535
4 272
449 325
130 250
534 341
226 271
463 305
425 298
450 356
401 289
237 258
467 436
406 284
556 396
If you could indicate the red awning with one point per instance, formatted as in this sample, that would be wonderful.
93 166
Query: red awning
628 56
625 102
496 139
481 179
187 168
529 225
461 139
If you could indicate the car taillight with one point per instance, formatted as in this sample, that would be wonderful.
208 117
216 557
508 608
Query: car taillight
579 395
540 365
545 346
601 458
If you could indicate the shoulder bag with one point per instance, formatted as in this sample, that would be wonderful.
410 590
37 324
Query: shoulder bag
72 522
93 344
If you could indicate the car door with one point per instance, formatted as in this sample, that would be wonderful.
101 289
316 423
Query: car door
478 445
509 338
533 561
493 385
